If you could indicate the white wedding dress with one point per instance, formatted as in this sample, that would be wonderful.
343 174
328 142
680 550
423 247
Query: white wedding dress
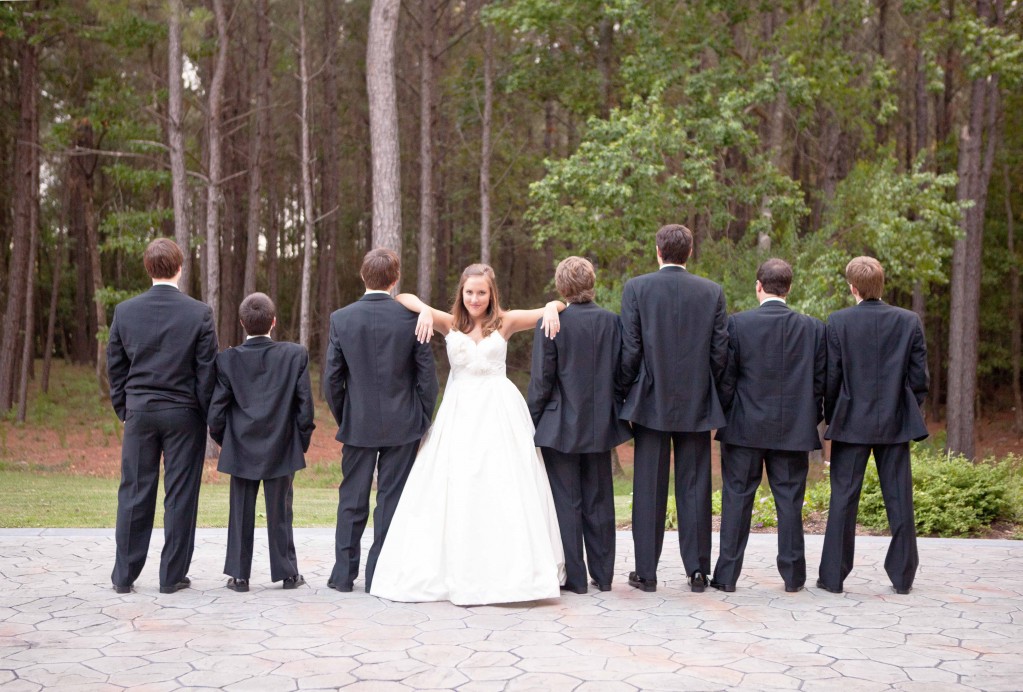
476 522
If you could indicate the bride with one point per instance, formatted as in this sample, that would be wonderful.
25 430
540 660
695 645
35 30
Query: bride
476 522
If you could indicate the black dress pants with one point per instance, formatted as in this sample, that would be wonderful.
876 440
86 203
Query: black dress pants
583 492
692 498
241 525
179 434
848 466
393 465
741 472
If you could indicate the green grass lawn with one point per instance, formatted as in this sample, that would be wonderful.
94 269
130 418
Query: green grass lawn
49 500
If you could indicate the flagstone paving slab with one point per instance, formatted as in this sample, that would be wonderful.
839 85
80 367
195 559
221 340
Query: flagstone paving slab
63 627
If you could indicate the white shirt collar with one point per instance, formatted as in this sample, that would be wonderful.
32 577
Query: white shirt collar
376 290
258 336
768 300
669 264
166 282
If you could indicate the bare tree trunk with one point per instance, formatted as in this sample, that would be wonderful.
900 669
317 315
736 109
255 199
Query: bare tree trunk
51 322
176 142
304 327
330 184
29 340
486 153
258 144
383 124
26 191
214 191
1016 347
605 59
85 161
964 315
427 211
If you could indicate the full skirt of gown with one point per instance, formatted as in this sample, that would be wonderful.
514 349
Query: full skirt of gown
476 521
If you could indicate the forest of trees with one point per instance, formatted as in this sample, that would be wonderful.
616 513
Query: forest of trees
281 139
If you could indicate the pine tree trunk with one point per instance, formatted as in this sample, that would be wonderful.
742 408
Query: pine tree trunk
214 192
330 182
29 336
176 142
974 170
26 192
1016 347
51 323
486 153
305 321
383 124
258 146
427 214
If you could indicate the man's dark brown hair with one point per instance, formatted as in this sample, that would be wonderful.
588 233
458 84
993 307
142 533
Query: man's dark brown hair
775 277
257 314
675 242
380 269
162 258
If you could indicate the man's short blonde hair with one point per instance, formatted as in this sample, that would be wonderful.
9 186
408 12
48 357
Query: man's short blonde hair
574 279
866 275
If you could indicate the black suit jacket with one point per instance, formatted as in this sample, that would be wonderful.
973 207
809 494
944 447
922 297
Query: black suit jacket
877 375
161 353
773 386
380 383
573 396
674 351
262 409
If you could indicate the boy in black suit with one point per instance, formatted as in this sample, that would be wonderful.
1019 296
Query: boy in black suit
381 386
574 401
674 350
772 391
160 362
876 382
262 416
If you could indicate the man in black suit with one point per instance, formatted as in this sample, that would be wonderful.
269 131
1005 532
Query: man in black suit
381 386
161 365
877 380
674 350
574 401
772 391
262 416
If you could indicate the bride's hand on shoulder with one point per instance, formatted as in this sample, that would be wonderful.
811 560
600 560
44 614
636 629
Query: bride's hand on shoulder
552 318
430 319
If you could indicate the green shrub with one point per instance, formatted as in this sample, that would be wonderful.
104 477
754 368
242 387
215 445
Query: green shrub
817 498
951 496
764 511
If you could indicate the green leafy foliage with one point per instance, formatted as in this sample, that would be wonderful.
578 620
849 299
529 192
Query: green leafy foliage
951 496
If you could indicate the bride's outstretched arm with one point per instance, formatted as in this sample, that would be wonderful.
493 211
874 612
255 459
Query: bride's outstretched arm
429 318
521 320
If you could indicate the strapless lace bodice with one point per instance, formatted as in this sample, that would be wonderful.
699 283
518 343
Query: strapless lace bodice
469 359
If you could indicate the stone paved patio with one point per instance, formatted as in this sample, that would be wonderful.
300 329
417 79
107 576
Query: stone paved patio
63 627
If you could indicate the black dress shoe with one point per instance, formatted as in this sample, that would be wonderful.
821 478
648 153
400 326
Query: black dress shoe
343 588
294 582
122 588
698 582
642 584
239 585
822 585
902 592
727 588
183 584
793 588
574 589
600 587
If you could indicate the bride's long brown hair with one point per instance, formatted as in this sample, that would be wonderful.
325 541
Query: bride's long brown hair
463 321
